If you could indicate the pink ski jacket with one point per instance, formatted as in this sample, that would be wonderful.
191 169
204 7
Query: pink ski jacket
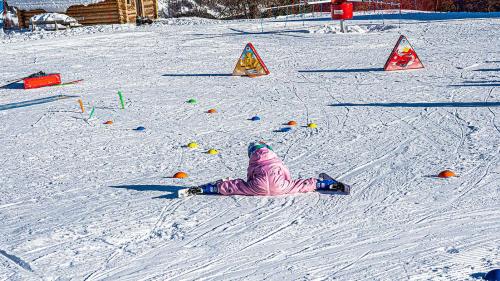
267 175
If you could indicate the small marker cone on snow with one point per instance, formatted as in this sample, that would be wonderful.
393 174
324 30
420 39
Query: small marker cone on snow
192 101
250 64
255 118
213 151
292 123
109 122
192 145
312 125
180 175
403 57
140 128
212 111
447 174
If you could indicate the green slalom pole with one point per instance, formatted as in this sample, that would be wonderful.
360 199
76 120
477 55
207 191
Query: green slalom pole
92 112
122 102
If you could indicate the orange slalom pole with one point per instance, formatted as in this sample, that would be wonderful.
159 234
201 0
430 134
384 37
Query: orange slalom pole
81 105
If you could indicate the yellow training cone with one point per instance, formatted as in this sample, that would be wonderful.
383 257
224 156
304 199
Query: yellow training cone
192 145
213 151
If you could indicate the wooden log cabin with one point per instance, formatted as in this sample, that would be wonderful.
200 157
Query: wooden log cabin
87 12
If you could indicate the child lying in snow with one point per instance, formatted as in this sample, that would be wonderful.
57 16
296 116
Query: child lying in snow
267 176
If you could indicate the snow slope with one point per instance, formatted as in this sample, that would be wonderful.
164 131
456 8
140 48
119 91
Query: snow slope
86 201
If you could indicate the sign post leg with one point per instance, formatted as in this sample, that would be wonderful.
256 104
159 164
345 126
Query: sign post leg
343 26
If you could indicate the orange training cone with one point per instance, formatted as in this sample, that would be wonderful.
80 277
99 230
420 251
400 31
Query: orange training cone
447 174
180 175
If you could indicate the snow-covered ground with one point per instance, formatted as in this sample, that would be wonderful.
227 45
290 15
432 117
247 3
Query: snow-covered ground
86 201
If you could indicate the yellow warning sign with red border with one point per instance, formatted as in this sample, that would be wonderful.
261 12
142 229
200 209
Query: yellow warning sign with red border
250 64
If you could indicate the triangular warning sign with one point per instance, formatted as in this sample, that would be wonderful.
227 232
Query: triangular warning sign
403 57
250 63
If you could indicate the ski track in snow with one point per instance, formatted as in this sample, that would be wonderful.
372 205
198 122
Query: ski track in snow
82 200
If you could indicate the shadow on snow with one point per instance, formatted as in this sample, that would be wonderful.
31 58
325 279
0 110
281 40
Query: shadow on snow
476 85
488 69
172 189
33 102
238 32
375 69
13 86
478 275
420 104
493 83
197 75
243 32
408 16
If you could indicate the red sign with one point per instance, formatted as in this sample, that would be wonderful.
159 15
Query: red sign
343 11
42 81
403 57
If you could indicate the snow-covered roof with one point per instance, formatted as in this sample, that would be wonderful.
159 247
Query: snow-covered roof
49 5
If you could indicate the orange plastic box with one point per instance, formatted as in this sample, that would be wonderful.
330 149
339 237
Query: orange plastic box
43 81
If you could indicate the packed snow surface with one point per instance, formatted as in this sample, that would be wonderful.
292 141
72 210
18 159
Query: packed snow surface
87 201
58 6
